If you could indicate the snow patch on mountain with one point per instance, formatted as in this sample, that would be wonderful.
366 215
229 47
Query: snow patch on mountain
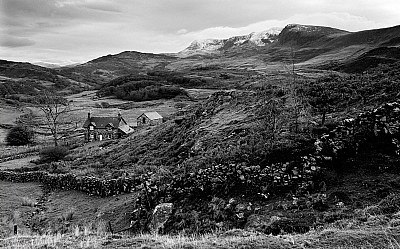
215 45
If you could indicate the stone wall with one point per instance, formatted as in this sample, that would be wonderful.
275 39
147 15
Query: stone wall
90 185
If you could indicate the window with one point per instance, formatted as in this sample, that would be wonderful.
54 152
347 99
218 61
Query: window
91 127
144 120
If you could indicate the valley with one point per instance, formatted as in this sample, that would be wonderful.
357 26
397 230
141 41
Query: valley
287 138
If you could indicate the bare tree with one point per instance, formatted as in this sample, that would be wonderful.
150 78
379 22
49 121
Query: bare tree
295 101
56 115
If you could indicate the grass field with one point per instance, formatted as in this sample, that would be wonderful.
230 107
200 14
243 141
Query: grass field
18 163
9 114
12 196
89 209
329 239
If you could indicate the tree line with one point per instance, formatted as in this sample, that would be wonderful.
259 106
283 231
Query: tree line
140 88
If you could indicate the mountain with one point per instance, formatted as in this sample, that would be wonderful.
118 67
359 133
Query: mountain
23 78
310 47
307 35
245 41
105 68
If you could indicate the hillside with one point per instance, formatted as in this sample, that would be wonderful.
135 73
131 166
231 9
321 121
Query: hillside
103 69
21 80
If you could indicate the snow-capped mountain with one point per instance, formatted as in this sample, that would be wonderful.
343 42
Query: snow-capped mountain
216 45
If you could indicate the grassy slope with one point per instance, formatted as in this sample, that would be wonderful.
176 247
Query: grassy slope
11 209
328 238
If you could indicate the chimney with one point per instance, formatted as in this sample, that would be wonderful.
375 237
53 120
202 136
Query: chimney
119 115
88 115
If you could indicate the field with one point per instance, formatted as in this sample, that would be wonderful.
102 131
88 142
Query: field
12 210
9 114
329 239
18 163
85 210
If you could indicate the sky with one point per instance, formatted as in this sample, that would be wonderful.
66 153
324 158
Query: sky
65 32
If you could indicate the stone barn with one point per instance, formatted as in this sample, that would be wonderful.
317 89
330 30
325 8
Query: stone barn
105 128
149 118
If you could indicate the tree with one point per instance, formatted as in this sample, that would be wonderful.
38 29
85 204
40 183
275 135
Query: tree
56 115
20 135
326 95
297 108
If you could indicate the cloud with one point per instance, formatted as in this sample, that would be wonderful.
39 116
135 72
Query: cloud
80 30
182 31
14 42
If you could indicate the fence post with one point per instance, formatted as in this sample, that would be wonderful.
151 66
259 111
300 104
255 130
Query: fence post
15 229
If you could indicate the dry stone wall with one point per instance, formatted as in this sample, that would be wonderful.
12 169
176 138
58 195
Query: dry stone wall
90 185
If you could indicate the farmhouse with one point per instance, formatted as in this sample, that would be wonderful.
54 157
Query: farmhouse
149 118
105 128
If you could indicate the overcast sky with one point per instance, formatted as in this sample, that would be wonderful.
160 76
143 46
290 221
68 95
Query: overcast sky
72 31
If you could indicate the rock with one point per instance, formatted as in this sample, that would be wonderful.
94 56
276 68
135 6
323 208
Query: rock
160 216
258 222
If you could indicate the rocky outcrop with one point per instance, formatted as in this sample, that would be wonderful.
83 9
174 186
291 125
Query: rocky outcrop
160 216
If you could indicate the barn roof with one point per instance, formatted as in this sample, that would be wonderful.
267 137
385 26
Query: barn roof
103 122
125 129
152 115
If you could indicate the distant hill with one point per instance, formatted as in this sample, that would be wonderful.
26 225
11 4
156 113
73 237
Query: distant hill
27 70
105 68
21 79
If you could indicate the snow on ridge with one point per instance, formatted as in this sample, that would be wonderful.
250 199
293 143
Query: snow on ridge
206 44
212 45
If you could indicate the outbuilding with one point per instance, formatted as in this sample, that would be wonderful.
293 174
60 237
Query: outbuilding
149 118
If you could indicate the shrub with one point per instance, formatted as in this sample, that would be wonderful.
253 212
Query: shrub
52 154
20 135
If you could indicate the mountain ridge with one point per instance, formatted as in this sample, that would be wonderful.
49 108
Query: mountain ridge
314 47
215 45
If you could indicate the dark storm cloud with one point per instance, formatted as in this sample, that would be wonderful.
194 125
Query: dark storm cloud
13 42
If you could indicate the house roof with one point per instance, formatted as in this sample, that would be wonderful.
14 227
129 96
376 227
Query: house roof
152 115
103 122
126 129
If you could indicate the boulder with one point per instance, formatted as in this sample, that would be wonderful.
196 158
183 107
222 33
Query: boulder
160 216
